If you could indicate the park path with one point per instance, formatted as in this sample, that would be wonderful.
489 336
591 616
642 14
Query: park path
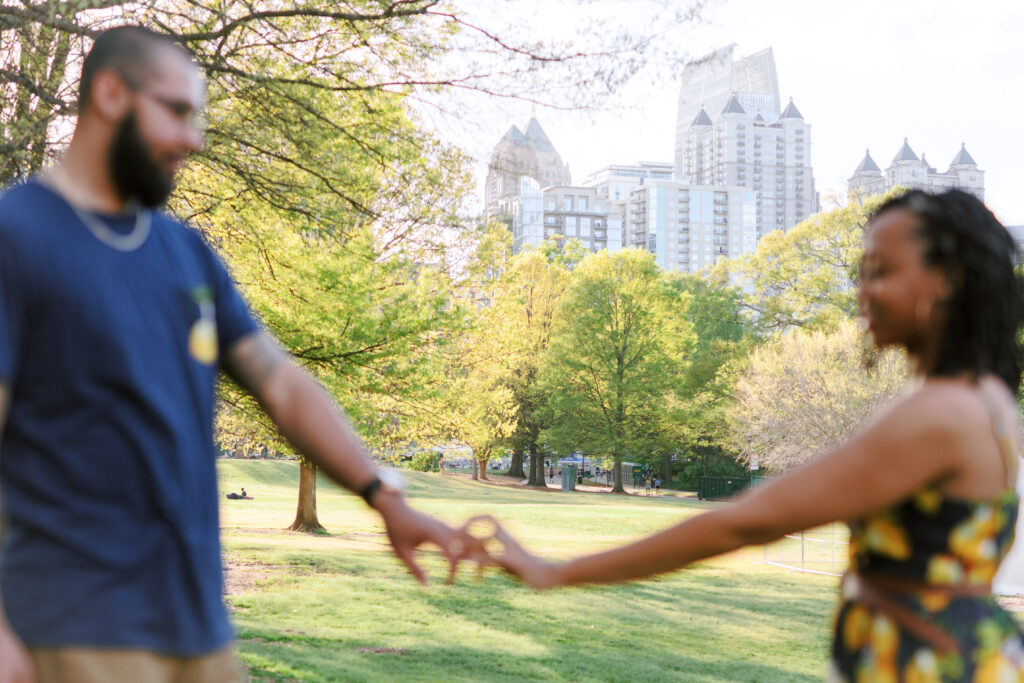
556 485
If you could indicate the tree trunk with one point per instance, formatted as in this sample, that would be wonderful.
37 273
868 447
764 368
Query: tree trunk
617 471
305 516
666 470
515 468
475 475
483 470
536 467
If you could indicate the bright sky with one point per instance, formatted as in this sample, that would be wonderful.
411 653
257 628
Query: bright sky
864 75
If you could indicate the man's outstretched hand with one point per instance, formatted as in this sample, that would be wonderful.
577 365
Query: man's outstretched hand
408 530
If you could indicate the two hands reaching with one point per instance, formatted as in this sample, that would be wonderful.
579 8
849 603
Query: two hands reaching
481 540
484 541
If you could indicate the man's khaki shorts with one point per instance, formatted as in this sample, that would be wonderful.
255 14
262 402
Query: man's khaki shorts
85 665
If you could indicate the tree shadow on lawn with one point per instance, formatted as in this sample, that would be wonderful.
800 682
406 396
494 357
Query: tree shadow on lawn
283 656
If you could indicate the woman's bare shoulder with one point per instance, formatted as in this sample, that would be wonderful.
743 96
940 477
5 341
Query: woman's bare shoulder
939 411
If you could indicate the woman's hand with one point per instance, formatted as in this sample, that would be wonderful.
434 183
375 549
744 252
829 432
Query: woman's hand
491 544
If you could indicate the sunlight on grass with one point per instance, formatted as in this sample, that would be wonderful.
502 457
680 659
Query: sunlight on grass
340 607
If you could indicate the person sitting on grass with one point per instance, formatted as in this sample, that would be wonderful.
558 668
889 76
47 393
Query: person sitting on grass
239 496
927 486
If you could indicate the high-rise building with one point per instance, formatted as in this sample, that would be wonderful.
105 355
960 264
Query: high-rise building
907 170
740 148
615 184
711 82
730 132
518 154
689 227
561 212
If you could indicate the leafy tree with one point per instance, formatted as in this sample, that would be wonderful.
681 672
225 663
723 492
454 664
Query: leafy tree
806 277
808 391
619 344
699 422
371 329
523 314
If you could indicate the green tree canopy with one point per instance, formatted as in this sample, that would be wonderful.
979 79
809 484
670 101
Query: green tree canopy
619 346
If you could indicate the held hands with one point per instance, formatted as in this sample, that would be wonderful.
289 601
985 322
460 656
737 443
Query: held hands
481 540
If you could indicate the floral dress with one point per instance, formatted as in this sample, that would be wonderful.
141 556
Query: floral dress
931 540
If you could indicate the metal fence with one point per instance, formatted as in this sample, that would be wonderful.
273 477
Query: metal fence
823 550
720 488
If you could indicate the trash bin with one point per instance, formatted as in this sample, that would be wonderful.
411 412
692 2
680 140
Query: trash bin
569 477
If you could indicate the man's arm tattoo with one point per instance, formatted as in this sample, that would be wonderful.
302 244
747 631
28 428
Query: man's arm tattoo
252 360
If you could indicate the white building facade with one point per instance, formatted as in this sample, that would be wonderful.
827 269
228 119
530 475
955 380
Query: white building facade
561 212
907 170
689 227
743 149
710 82
615 184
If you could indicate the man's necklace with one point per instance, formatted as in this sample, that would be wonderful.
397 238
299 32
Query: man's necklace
104 233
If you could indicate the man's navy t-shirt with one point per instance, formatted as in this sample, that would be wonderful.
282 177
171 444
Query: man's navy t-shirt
107 462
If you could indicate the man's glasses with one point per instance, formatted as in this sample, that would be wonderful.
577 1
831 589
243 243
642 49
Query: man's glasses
181 110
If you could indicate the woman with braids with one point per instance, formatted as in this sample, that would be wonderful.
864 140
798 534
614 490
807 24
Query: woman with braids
926 486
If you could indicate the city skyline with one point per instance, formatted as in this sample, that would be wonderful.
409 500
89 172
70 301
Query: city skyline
926 71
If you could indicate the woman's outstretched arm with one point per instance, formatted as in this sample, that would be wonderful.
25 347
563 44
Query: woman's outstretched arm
912 444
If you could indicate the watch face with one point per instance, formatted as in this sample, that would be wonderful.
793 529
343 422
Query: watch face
391 479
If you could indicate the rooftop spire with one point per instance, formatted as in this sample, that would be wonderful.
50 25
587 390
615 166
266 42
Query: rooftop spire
905 153
733 106
702 118
868 164
963 158
791 112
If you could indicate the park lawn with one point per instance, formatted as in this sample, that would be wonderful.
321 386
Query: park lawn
339 607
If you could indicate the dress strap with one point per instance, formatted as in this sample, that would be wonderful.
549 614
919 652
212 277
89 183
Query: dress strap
1003 435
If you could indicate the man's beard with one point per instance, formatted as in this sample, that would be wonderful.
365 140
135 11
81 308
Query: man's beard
136 174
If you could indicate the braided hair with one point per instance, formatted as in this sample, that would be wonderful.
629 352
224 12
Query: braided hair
985 310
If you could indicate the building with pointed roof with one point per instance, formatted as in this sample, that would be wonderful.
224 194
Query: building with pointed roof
744 150
713 80
909 170
522 153
791 112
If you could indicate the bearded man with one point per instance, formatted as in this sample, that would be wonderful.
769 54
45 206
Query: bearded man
115 319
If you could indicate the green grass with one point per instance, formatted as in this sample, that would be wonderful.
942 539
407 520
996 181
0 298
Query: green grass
340 607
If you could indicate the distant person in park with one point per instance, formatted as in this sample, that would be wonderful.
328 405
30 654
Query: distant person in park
238 496
115 319
647 486
927 486
657 486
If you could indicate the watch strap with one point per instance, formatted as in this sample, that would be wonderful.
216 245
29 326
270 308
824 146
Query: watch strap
367 491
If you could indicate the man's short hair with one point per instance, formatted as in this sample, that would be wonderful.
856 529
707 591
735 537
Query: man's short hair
131 50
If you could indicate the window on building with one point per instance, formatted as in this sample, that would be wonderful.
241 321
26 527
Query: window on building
582 203
567 203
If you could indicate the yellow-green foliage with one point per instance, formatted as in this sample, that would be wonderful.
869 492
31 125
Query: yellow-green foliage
809 390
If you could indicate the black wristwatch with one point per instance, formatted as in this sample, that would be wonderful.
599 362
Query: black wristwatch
387 481
367 491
